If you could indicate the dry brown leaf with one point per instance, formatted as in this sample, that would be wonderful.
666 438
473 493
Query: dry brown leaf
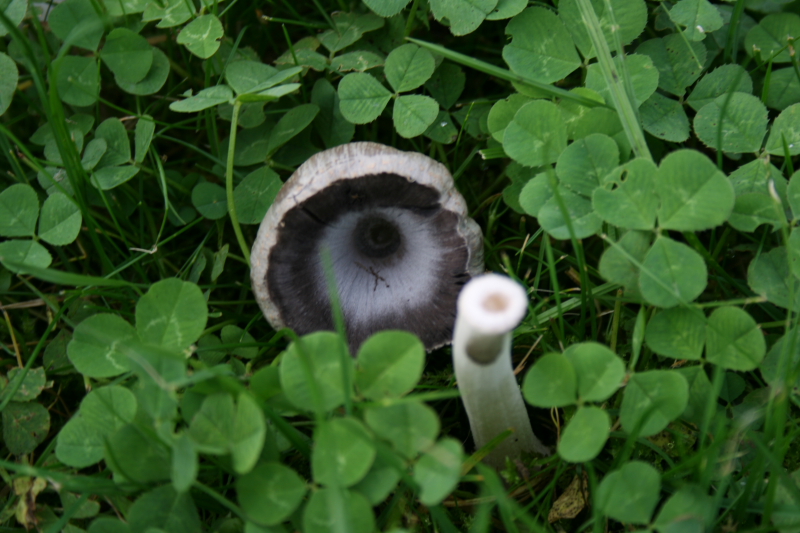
571 502
28 489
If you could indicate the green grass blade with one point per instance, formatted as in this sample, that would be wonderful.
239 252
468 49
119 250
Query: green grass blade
614 79
493 70
237 229
66 278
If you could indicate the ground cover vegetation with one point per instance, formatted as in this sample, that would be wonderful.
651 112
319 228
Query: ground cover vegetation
631 162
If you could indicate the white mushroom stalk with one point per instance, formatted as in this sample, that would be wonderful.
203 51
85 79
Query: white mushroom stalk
489 308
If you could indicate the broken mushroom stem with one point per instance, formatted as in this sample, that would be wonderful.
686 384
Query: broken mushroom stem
489 308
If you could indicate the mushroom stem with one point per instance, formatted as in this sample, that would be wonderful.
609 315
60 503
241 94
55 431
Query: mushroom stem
489 308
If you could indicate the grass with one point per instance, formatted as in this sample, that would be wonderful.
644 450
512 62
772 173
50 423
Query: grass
173 451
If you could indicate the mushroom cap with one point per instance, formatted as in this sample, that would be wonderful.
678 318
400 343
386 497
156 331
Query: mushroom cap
493 304
398 235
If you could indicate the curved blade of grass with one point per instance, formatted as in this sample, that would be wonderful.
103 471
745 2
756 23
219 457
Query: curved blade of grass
11 157
787 156
433 396
733 31
78 484
54 113
577 246
162 181
478 456
13 386
682 36
622 65
615 81
69 152
493 70
220 499
67 278
566 305
57 526
338 321
200 151
237 229
671 290
509 510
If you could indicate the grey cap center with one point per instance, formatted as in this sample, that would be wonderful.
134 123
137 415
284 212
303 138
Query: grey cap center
376 237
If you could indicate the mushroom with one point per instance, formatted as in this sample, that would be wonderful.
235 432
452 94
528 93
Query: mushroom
400 242
489 308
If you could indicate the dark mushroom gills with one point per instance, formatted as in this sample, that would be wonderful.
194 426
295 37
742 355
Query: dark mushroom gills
400 242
